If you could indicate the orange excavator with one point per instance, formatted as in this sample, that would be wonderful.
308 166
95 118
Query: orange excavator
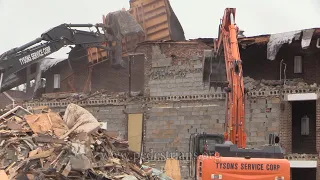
225 156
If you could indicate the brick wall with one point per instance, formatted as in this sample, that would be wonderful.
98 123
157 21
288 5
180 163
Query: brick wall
318 138
286 126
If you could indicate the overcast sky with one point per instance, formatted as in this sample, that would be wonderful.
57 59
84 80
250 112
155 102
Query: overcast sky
24 20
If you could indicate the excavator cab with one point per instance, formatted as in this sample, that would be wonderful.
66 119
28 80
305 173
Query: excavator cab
202 144
228 160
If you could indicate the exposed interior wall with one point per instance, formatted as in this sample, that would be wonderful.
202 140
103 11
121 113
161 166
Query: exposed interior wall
257 66
103 76
16 95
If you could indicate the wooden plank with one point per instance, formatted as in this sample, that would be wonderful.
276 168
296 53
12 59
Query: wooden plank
135 132
43 123
3 175
172 169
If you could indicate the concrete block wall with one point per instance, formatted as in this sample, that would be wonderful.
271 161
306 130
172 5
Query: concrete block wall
174 68
114 116
262 119
170 125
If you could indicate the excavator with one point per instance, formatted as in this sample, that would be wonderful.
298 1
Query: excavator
225 156
106 36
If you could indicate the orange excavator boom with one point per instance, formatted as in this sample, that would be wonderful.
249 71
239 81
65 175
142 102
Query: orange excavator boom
235 109
226 156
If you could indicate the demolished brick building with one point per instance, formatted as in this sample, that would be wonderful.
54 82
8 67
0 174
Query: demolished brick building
169 99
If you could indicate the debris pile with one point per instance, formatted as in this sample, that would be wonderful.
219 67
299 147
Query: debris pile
45 145
80 97
252 84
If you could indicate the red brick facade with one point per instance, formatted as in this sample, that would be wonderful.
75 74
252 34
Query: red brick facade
285 127
318 137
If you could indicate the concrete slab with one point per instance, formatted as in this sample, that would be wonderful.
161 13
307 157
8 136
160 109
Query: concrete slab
301 97
303 164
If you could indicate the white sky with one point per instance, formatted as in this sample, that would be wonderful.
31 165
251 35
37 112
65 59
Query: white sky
24 20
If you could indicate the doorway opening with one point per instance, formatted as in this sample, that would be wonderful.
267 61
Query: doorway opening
304 127
303 173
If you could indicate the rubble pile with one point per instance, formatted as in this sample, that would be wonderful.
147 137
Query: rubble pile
79 97
45 145
252 84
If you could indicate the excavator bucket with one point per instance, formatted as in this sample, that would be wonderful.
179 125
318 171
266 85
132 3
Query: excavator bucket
214 70
119 24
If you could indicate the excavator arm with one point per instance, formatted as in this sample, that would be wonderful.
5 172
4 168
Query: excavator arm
106 37
21 57
227 44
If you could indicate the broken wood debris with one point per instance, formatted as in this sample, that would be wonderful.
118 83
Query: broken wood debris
69 147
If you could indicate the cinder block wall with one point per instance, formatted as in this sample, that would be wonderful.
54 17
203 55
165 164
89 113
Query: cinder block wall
169 124
173 68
